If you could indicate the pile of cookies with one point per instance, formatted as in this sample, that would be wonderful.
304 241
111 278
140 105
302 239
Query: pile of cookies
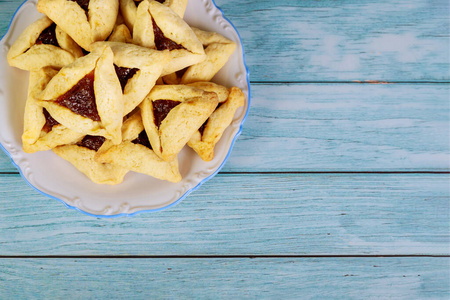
123 85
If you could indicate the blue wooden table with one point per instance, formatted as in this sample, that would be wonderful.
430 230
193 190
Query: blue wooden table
340 178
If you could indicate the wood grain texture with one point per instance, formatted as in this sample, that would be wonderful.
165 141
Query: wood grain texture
265 215
402 40
345 127
288 278
7 9
264 204
341 127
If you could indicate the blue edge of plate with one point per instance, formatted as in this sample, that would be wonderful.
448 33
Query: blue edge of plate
185 194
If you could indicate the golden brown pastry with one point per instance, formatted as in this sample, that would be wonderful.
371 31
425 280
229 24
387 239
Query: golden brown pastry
218 50
204 140
172 113
86 96
43 44
121 34
138 68
128 9
178 6
158 27
81 155
135 153
85 21
221 91
41 131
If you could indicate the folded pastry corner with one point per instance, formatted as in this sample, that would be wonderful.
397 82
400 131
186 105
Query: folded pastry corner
81 156
41 131
43 44
122 34
86 96
158 27
172 113
85 21
138 68
178 6
204 140
136 154
128 9
218 50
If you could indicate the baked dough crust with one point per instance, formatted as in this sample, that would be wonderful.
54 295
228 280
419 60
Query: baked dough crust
173 28
218 50
27 55
219 120
181 122
128 9
107 89
221 91
150 63
72 18
34 138
178 6
82 158
121 34
137 157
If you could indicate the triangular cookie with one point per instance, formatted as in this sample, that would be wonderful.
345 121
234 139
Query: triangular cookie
138 68
128 8
158 27
85 21
135 153
41 131
172 113
218 50
204 139
81 156
43 44
86 96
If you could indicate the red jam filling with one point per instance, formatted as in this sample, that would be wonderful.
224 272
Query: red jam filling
161 109
161 42
181 72
48 36
92 142
80 99
124 74
142 139
84 4
49 122
202 128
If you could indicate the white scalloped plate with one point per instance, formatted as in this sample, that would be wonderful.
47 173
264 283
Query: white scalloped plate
58 179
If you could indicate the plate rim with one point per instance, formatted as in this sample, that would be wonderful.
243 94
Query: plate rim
189 191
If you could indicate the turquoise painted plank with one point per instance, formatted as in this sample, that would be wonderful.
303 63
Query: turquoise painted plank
7 9
401 40
345 127
265 214
233 278
341 127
